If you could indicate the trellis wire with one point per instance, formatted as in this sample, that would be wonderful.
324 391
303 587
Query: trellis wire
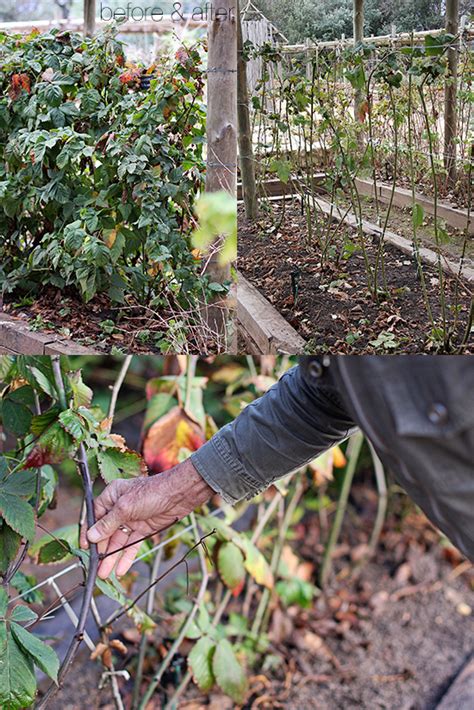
49 580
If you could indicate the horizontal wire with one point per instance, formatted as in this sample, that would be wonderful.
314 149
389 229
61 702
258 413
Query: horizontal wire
75 565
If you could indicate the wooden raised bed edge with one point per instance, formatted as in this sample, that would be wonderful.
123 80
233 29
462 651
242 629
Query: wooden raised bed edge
454 216
262 327
17 339
428 256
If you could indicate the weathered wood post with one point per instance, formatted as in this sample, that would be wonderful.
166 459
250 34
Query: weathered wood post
450 94
89 18
247 162
221 171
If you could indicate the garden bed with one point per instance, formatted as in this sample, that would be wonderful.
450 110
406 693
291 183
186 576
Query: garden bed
333 310
102 327
396 634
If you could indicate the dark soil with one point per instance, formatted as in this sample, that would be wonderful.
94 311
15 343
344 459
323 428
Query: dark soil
332 309
110 328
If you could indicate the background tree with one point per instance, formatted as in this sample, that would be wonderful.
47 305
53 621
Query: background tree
329 19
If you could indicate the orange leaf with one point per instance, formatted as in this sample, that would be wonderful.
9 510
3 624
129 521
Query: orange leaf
338 458
169 438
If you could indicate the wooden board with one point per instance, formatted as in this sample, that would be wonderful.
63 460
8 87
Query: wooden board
16 338
454 216
428 256
273 187
263 325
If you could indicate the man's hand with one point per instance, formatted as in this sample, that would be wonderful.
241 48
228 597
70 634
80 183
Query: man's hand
129 510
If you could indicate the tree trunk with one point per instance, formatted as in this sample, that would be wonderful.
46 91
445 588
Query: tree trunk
247 164
450 91
358 23
221 171
89 18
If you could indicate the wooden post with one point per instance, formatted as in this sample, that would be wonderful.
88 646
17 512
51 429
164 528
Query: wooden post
450 93
89 18
358 23
247 161
221 173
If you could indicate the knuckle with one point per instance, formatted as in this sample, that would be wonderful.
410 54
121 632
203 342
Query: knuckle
122 507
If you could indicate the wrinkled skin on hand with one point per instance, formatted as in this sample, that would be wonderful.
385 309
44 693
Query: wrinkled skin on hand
143 505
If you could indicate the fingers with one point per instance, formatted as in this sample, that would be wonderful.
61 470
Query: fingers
106 526
116 542
128 555
83 541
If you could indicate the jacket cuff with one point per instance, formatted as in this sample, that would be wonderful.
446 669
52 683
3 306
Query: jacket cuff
222 471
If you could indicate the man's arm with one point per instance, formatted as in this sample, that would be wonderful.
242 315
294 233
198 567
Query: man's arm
280 432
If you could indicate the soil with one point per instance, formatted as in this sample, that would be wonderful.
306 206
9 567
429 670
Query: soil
391 634
401 222
104 327
333 309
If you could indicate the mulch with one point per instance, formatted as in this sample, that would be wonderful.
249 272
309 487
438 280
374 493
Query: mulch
101 325
332 309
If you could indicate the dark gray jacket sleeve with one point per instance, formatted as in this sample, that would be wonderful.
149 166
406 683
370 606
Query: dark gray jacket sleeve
282 431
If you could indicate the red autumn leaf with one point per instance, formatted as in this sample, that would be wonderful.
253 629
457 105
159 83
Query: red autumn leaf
167 437
363 111
53 446
182 56
19 82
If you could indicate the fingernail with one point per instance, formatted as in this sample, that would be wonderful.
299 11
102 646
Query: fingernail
93 535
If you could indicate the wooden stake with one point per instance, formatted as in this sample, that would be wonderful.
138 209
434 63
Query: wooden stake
247 162
450 93
89 18
358 21
221 130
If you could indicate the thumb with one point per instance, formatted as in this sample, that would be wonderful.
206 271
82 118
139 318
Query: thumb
106 526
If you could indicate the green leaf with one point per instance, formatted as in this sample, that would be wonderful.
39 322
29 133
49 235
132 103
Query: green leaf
24 584
433 46
81 393
20 483
296 591
17 677
16 417
22 395
46 384
18 514
357 77
49 551
3 601
230 565
282 168
255 563
114 463
200 663
6 362
42 421
229 673
44 656
418 215
23 613
54 551
73 424
9 545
